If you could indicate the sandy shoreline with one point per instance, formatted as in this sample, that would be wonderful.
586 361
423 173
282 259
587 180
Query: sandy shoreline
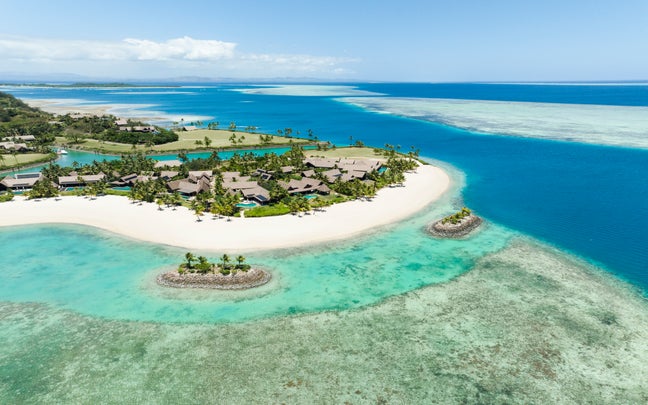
180 228
66 106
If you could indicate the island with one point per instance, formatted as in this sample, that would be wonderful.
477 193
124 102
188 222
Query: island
241 201
457 225
198 272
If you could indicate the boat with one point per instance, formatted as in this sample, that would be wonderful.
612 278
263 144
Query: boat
61 152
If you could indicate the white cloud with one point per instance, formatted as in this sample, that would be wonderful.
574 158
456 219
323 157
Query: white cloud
184 55
180 48
185 48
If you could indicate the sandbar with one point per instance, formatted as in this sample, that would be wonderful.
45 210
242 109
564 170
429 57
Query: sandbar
180 228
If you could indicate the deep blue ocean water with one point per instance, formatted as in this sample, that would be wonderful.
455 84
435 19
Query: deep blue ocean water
590 200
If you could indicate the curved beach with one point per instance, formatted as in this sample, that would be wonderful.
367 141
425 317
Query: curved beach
180 227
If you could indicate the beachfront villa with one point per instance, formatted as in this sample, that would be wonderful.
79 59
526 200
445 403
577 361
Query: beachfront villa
195 183
20 182
74 180
255 182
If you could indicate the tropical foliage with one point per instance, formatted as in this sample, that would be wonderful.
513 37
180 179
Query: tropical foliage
457 217
43 189
8 196
200 265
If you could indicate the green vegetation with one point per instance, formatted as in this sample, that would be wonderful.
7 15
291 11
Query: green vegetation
457 217
218 139
17 119
104 129
347 152
150 187
43 189
103 134
8 196
185 141
268 210
200 265
13 160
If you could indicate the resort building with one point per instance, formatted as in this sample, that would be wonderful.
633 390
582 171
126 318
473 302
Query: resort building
76 181
123 125
19 182
188 187
11 145
168 174
258 194
24 138
306 185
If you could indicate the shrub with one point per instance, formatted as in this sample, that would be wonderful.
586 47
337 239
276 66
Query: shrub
8 196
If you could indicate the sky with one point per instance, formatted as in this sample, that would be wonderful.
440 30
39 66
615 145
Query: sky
331 40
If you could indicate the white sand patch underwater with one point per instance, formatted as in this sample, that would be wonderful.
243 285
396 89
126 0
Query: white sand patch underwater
307 90
596 124
143 112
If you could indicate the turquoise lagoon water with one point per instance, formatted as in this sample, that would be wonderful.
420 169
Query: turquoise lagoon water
84 158
99 274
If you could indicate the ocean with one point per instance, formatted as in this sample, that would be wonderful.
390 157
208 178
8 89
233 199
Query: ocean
520 312
586 198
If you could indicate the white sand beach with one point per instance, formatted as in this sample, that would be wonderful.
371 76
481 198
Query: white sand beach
139 112
67 106
180 228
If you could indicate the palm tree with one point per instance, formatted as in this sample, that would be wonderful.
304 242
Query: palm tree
177 199
240 259
216 209
189 257
198 209
225 259
203 265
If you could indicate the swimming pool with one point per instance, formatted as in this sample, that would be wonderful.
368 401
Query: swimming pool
248 204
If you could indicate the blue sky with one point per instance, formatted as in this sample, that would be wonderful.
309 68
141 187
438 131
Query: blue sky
406 40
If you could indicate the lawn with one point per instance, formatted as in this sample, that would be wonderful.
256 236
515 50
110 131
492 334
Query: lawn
220 139
8 161
187 141
350 152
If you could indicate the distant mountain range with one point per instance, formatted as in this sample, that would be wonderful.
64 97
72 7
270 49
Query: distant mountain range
71 78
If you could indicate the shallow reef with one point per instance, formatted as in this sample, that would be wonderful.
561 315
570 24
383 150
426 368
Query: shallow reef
526 325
